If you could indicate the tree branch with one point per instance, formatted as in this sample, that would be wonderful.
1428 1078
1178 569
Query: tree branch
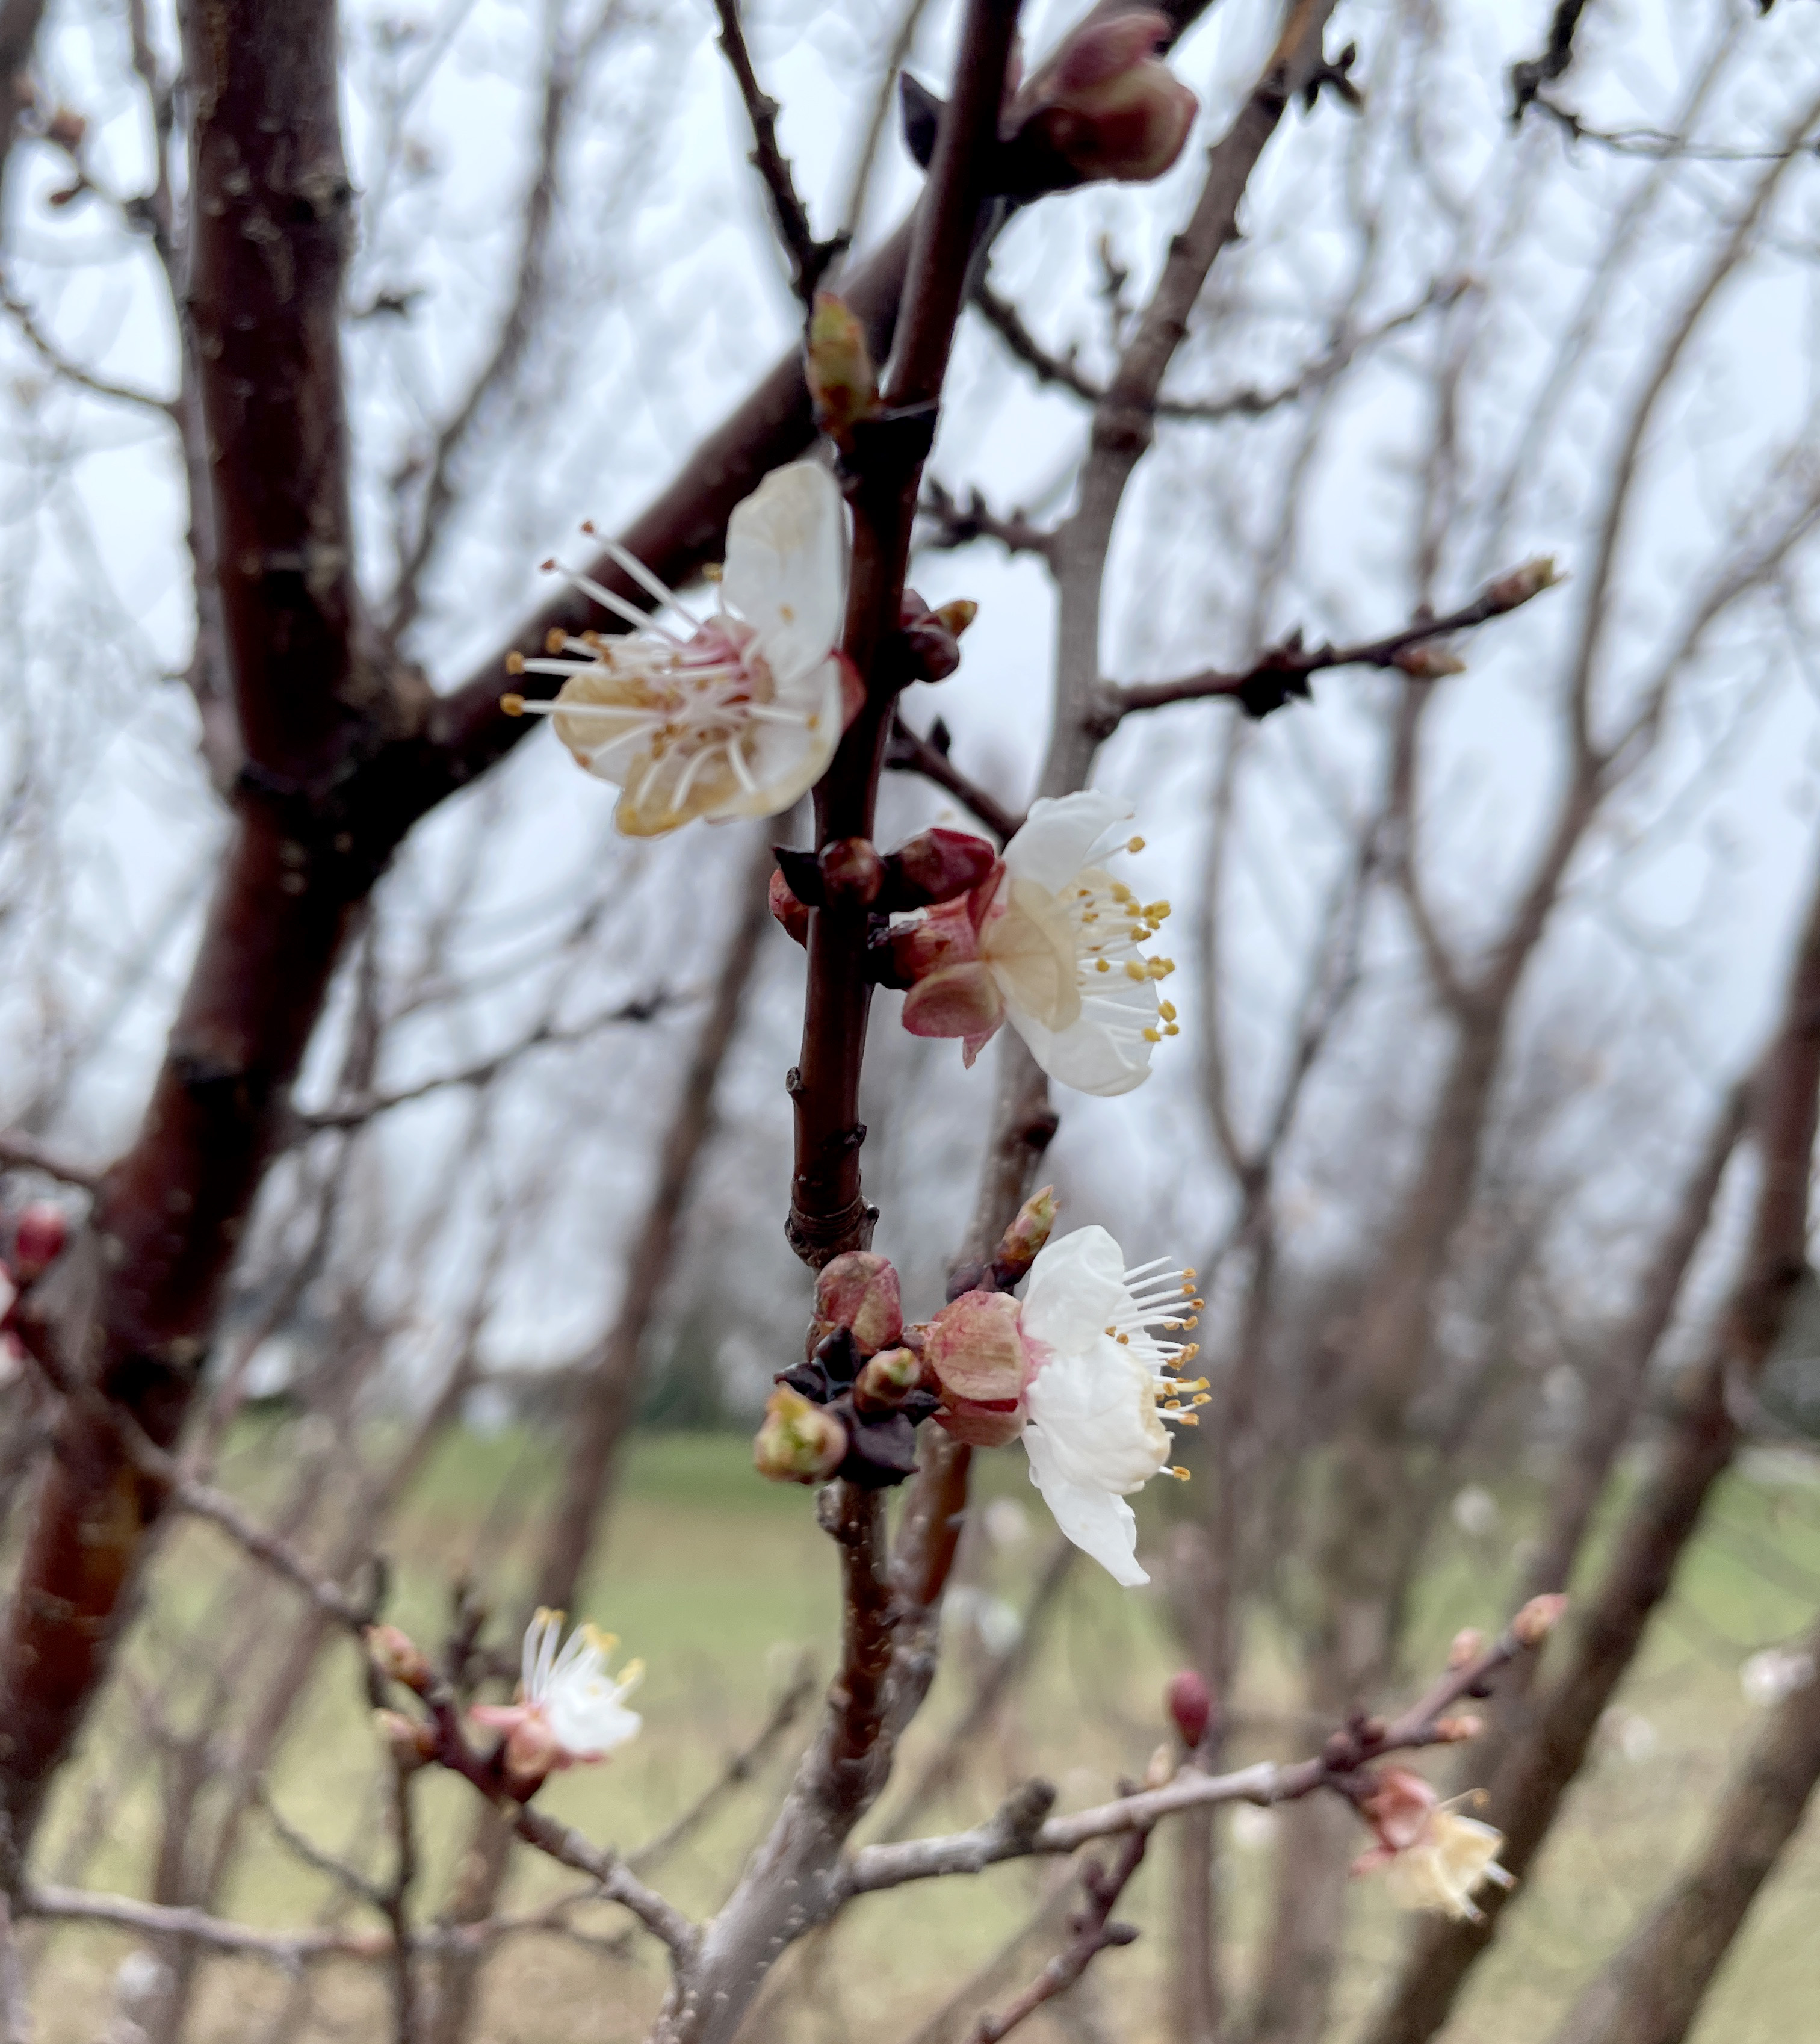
906 753
1092 1933
20 1152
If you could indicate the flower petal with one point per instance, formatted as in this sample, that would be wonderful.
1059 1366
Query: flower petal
1059 833
1096 1054
1097 1409
786 760
1076 1289
955 1000
785 572
1098 1523
1031 949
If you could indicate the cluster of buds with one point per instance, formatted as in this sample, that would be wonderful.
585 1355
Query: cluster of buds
850 1408
852 873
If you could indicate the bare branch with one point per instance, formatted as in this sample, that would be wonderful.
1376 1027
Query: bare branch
1283 672
958 525
908 754
72 371
1092 1933
809 258
1528 77
20 1152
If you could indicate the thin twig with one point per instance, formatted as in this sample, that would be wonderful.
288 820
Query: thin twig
72 371
312 1855
20 1152
809 258
958 525
1092 1933
1268 685
1251 402
908 754
1660 147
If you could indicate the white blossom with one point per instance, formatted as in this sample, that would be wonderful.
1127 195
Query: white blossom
569 1708
738 716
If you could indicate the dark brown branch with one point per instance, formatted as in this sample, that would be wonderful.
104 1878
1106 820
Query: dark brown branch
1653 143
908 754
1528 77
809 258
1265 687
958 525
828 1212
1092 1932
71 371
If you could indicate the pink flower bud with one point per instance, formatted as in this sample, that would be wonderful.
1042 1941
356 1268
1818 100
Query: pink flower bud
1019 1245
859 1292
1455 1730
1108 105
1538 1618
532 1751
398 1657
982 1424
1398 1806
39 1236
411 1740
974 1347
789 911
1190 1702
938 865
842 382
883 1385
1468 1645
799 1443
852 871
1428 661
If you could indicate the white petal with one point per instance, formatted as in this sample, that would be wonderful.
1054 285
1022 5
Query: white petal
1089 1055
1058 834
1076 1289
1098 1523
591 1720
786 566
1097 1409
1031 950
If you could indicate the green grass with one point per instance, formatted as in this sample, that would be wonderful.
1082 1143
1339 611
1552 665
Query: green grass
720 1583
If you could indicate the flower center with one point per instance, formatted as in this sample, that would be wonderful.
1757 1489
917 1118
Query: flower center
1156 1297
1110 925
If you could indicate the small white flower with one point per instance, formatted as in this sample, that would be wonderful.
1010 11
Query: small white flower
1475 1511
1776 1673
1100 1393
1453 1859
736 716
569 1708
1055 950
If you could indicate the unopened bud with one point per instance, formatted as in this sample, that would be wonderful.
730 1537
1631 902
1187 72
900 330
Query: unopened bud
938 865
1190 1703
410 1741
398 1657
1106 104
852 871
789 911
956 617
887 1380
1537 1619
1397 1805
1428 661
974 1347
799 1443
843 385
1455 1730
1468 1644
39 1236
1508 591
857 1291
932 645
1019 1245
531 1752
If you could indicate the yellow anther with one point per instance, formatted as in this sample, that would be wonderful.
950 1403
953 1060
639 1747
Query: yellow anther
1122 893
512 705
1126 1339
712 572
1167 1010
1189 1354
1135 844
1199 1305
1180 1474
1203 1397
1171 1029
1153 1035
1157 912
1102 965
555 639
1189 1420
1134 970
1188 1270
1191 1321
515 663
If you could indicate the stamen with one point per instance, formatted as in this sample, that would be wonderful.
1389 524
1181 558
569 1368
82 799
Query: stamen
741 773
626 559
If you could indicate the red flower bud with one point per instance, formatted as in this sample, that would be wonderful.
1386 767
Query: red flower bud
852 871
39 1236
975 1350
938 865
859 1292
789 911
1190 1702
1108 105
